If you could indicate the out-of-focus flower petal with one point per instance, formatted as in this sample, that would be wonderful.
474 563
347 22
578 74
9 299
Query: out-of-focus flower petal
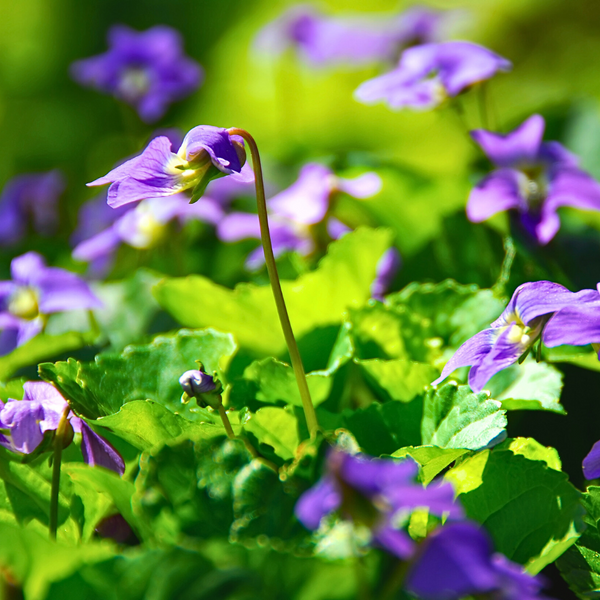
495 193
318 501
591 463
519 147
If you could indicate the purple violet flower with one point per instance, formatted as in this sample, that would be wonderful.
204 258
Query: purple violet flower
144 225
533 177
146 69
428 74
353 41
515 331
387 267
296 213
30 197
372 491
206 153
24 423
458 560
34 292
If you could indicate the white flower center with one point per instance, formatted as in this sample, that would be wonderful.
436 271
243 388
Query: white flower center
134 84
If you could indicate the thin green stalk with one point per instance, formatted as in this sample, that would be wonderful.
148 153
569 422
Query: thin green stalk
309 409
251 449
59 438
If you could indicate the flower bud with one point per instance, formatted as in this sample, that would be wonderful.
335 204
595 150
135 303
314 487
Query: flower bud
195 383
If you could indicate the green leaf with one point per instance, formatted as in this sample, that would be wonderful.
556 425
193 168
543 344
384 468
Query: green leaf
36 562
343 279
276 382
533 450
531 510
455 417
453 311
42 347
26 489
264 508
114 488
276 427
401 379
128 310
383 428
147 425
431 459
151 371
575 355
530 386
580 564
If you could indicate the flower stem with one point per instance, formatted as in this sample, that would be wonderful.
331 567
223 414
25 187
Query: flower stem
309 409
249 447
58 448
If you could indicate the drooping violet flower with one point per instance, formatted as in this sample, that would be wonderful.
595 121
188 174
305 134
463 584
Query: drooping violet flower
458 560
34 292
372 491
30 198
429 74
146 69
352 41
387 267
299 216
25 422
534 178
206 153
514 332
144 225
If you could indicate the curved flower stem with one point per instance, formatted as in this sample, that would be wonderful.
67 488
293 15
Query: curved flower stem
249 447
309 409
58 448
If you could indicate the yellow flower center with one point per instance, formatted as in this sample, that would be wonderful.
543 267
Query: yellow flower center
24 303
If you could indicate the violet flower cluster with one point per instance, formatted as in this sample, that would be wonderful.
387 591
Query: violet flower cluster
456 560
300 217
352 41
25 422
146 69
533 177
30 198
540 310
430 73
372 492
34 292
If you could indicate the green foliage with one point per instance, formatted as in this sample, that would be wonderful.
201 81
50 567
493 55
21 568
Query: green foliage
530 386
455 417
580 564
342 280
531 510
148 372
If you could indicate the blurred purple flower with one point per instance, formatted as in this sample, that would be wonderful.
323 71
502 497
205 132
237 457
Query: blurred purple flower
34 292
428 74
299 216
30 197
144 225
458 560
387 267
515 331
206 153
25 422
146 69
353 41
372 491
533 177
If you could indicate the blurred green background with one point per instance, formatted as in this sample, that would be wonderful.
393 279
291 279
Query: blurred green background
296 112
